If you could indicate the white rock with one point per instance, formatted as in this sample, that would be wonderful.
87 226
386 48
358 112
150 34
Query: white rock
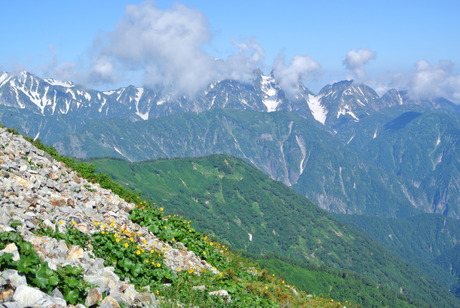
27 296
222 293
14 278
13 249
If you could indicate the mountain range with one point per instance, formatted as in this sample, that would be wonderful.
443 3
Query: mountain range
347 149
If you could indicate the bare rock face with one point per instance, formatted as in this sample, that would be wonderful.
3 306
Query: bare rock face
35 189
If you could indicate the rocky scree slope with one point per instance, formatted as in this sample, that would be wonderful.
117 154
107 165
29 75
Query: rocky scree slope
37 191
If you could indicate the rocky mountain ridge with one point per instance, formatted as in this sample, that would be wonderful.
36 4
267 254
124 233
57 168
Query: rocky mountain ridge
334 105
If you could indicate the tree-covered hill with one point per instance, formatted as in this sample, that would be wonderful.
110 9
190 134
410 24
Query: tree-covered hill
243 208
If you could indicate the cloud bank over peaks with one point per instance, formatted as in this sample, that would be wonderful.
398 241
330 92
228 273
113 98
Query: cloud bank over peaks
301 68
356 60
166 46
435 80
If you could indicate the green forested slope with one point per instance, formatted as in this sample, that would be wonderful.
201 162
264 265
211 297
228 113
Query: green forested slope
429 241
243 208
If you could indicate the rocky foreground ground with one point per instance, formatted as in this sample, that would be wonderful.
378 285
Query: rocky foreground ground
37 191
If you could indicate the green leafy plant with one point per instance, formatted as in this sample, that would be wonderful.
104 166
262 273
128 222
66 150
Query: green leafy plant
69 279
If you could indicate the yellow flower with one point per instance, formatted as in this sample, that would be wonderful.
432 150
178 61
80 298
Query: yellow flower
131 239
165 227
173 239
102 232
161 209
116 235
204 252
126 245
147 261
61 222
138 252
178 269
117 240
158 265
74 223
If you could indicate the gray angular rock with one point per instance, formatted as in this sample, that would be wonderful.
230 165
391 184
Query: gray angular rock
13 278
27 296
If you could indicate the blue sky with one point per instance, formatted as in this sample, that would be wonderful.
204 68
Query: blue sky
403 44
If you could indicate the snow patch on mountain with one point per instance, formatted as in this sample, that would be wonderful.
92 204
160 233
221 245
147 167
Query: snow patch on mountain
303 150
33 96
349 140
137 98
270 99
121 153
317 110
4 78
54 82
347 110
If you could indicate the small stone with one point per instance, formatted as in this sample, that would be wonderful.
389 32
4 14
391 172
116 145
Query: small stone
129 293
50 302
57 293
53 176
82 227
14 279
201 288
222 293
145 299
6 295
109 302
93 297
27 296
13 249
75 252
58 202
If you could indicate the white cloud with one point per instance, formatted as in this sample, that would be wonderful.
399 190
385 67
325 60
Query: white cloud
300 68
240 66
166 46
435 80
356 60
